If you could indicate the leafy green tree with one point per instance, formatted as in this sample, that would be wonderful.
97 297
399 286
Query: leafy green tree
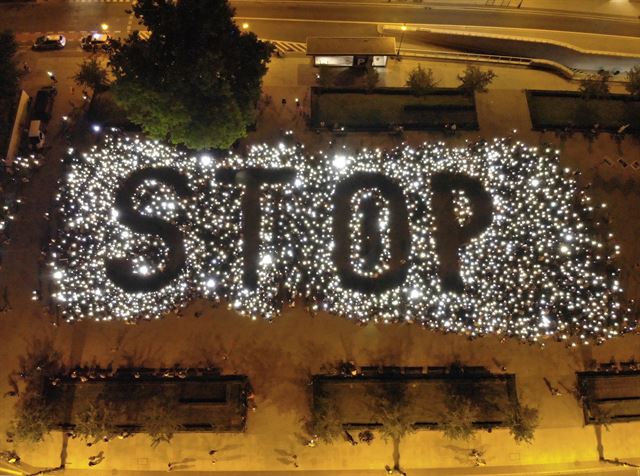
196 79
523 423
633 81
91 75
421 81
97 421
595 86
473 79
160 419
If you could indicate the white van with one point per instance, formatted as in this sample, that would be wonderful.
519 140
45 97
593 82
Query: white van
36 135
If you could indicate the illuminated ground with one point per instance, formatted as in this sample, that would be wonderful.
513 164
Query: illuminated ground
279 357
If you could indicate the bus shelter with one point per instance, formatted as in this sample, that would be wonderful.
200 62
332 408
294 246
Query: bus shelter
362 51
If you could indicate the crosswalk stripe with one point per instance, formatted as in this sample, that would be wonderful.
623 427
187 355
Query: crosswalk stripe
289 46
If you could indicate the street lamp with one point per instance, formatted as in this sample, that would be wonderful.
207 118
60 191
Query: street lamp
104 26
245 26
403 28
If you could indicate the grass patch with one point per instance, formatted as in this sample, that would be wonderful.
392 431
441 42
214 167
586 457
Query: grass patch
378 110
557 110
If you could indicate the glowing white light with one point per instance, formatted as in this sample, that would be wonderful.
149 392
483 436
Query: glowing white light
535 271
339 161
206 160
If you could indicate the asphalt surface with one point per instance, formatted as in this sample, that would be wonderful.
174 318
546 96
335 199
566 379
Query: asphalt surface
293 21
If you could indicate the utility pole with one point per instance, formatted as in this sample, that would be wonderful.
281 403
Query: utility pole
403 28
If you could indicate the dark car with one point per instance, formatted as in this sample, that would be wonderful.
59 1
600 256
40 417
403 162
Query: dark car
43 104
49 42
96 41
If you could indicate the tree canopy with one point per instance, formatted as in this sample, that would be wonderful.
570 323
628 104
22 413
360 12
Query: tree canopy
92 75
9 76
633 78
595 86
473 79
196 79
421 81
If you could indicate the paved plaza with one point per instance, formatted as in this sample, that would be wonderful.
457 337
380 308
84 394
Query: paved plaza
280 357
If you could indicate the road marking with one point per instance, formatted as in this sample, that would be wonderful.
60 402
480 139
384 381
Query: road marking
129 23
288 46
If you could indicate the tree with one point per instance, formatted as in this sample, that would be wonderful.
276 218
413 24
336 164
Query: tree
9 72
595 86
326 420
91 75
34 414
97 421
633 81
371 77
421 81
392 408
160 419
522 423
34 418
196 79
458 422
326 76
9 75
473 79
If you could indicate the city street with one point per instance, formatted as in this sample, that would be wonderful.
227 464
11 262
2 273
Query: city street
293 21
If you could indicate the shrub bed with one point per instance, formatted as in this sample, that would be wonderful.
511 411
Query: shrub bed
383 108
561 109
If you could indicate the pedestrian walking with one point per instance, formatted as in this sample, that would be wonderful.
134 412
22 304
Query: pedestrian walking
553 390
349 437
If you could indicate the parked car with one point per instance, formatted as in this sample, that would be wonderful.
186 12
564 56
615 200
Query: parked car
36 135
96 41
43 104
49 42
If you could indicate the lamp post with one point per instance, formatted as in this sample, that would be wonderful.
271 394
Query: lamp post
104 27
403 28
245 26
